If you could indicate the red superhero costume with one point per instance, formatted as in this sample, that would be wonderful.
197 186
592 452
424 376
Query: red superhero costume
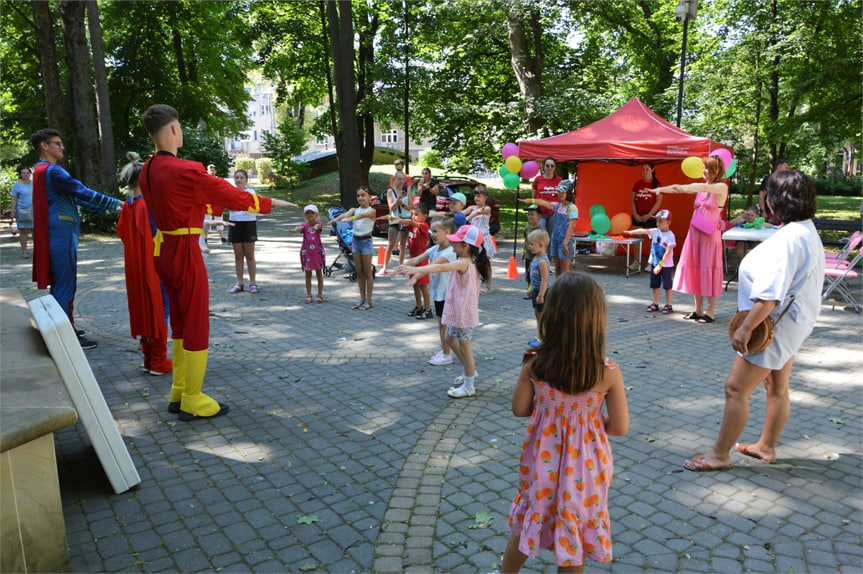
143 290
177 192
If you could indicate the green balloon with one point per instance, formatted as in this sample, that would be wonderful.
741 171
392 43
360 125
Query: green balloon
596 208
503 171
511 181
731 169
600 223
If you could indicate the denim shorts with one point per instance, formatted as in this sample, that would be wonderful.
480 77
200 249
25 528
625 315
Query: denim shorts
460 334
556 248
362 246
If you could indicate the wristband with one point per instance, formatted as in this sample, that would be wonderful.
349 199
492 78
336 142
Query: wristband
353 218
530 200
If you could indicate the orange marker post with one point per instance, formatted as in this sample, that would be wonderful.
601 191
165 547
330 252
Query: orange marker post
512 272
382 255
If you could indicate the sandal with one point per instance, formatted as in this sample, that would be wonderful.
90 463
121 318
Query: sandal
705 319
309 300
652 308
693 315
236 288
253 289
667 309
365 306
357 306
319 299
460 393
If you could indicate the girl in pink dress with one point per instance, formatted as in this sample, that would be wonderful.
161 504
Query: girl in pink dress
312 254
566 466
699 269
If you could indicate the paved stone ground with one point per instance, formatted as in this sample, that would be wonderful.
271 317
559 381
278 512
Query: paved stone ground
342 452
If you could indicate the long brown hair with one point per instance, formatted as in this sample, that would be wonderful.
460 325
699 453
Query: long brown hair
571 357
715 168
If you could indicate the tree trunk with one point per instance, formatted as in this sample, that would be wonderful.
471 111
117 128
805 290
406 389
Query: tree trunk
103 102
341 31
326 59
365 120
773 89
55 109
527 66
84 131
407 45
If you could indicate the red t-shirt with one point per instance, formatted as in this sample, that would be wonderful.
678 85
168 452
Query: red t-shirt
419 239
546 189
644 198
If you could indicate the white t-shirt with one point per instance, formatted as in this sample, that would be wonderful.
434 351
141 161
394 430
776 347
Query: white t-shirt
363 226
438 282
791 262
243 215
660 241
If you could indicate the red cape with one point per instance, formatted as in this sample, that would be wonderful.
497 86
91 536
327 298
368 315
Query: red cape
41 251
143 291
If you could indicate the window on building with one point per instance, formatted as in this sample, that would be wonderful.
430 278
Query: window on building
322 140
255 135
390 137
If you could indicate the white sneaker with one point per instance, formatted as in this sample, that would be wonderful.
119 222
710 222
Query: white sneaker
461 392
441 359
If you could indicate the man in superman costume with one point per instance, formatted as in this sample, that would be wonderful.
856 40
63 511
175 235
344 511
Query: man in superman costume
56 197
177 192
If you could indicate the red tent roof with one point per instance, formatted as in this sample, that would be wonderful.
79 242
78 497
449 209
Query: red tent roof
632 132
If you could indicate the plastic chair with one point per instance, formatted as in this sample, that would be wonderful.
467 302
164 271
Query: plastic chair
853 243
835 279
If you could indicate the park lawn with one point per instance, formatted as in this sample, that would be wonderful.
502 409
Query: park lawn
324 190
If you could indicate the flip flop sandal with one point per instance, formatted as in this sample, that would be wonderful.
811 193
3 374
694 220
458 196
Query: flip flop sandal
357 306
309 300
693 315
667 310
652 308
699 464
705 319
365 306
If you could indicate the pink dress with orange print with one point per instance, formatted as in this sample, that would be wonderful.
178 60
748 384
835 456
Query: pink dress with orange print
564 475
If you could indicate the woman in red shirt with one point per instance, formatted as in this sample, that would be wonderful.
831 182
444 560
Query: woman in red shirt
644 202
545 187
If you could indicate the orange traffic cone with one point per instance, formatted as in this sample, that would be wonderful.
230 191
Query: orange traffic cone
512 272
494 242
382 255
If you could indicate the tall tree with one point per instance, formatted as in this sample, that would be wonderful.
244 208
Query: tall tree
55 109
85 133
103 100
341 33
524 31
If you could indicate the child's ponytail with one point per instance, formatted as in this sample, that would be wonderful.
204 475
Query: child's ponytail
482 262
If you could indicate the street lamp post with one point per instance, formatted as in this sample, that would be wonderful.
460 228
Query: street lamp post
686 10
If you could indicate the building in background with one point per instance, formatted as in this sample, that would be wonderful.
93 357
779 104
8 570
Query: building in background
261 113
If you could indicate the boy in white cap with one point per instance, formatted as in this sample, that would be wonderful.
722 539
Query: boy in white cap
662 243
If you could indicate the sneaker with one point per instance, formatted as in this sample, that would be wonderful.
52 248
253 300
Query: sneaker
441 359
87 343
416 311
427 314
382 273
236 288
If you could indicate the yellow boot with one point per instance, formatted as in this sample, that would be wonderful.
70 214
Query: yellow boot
179 381
195 404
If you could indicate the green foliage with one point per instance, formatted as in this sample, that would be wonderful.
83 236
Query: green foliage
244 163
839 186
432 158
262 166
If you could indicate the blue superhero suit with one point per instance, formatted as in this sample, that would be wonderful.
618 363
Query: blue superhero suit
62 194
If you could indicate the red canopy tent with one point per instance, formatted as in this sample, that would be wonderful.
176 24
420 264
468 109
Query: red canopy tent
609 154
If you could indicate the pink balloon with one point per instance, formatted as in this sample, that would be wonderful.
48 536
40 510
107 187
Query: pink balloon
724 155
509 149
529 169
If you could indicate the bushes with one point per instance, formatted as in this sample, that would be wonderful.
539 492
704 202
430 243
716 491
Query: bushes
245 163
840 186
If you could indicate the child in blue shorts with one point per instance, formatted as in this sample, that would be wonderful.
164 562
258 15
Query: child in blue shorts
662 243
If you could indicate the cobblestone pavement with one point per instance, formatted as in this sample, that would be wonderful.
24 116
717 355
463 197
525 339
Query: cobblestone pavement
342 452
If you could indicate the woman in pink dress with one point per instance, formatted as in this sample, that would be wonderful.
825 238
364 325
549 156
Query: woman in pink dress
699 269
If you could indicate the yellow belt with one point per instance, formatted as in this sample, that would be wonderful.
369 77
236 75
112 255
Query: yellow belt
160 236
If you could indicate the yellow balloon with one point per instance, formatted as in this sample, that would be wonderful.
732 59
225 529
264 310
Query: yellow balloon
513 164
692 167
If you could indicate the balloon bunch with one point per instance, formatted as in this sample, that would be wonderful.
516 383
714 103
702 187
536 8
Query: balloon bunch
513 170
692 165
600 224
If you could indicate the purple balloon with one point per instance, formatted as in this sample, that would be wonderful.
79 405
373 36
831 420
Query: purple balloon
724 155
509 149
529 169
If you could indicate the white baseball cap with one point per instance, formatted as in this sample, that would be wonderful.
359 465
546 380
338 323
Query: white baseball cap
663 214
468 234
310 207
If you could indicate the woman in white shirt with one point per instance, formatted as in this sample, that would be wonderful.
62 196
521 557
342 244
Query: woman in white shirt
785 271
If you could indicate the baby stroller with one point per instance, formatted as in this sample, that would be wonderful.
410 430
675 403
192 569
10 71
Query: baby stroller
344 233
